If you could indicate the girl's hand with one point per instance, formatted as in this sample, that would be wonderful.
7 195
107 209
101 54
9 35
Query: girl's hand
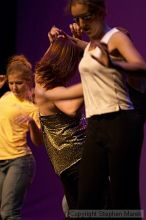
22 120
3 79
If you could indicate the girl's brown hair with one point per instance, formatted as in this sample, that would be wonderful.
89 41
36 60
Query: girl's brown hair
59 64
20 64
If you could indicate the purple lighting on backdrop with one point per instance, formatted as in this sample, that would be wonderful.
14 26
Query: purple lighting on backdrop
34 19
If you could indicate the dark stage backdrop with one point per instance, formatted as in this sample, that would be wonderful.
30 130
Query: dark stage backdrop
34 19
7 35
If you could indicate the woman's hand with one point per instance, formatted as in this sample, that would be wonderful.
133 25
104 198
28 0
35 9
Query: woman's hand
54 33
76 30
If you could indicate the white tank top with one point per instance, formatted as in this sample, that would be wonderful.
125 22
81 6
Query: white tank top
104 88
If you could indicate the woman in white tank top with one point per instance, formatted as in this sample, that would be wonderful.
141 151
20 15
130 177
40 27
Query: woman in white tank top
115 131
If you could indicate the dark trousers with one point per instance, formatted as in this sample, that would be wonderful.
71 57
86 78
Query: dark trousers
139 101
69 180
112 148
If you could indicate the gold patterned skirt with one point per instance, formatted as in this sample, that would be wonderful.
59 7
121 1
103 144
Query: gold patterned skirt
63 138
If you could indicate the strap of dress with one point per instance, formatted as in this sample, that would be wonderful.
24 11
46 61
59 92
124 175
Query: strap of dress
105 39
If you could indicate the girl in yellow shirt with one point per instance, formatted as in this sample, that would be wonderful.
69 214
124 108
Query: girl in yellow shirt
18 116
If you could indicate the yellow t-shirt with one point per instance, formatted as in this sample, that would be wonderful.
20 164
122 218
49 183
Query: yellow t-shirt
13 141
